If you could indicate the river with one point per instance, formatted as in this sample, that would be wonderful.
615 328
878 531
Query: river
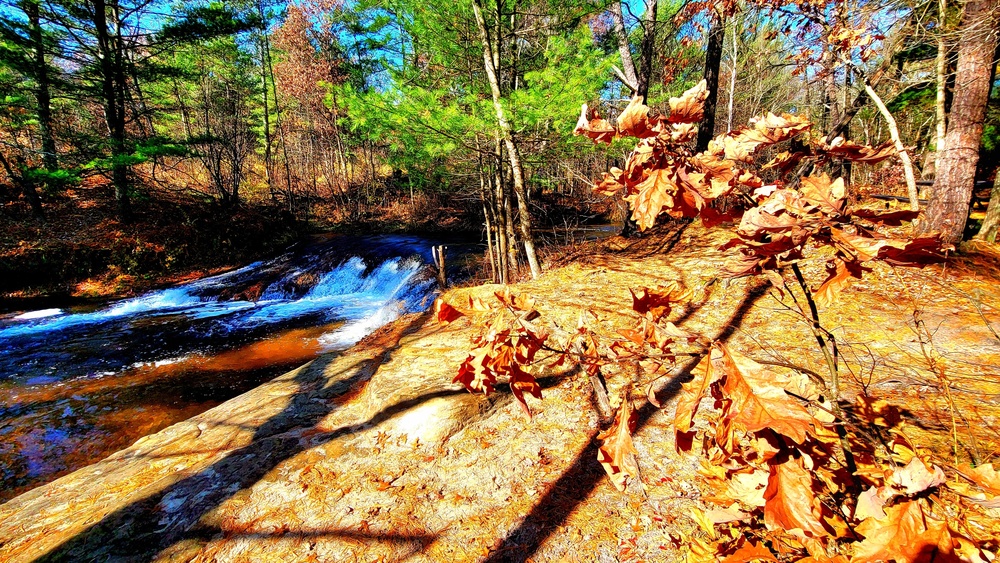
78 384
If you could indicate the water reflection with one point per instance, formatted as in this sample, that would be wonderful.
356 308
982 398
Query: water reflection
77 385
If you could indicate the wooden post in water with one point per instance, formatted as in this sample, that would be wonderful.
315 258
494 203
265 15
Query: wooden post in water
438 253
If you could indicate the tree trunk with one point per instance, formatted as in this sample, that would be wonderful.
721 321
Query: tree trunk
517 170
268 64
624 49
17 178
112 88
941 67
713 60
859 101
42 95
991 224
948 208
732 77
267 121
911 182
646 50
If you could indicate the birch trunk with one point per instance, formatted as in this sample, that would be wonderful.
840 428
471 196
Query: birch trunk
513 154
911 182
941 63
624 50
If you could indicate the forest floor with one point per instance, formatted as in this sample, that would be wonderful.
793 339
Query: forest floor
375 455
83 251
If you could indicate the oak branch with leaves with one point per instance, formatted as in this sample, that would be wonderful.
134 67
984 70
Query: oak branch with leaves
793 472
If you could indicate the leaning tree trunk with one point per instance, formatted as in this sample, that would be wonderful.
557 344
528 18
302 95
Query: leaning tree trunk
629 76
713 61
904 157
513 154
948 208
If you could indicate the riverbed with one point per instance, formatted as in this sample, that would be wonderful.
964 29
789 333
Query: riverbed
77 384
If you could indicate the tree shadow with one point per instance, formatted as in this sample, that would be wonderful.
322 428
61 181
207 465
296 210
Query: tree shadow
147 526
580 480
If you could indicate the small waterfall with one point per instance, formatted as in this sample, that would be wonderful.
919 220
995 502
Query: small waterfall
78 384
363 282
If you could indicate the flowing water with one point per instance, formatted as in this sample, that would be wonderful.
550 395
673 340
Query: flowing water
79 384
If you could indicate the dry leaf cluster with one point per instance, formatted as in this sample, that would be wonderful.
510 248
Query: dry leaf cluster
796 478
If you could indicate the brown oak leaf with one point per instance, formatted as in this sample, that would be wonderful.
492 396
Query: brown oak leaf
654 194
750 552
917 252
690 397
857 153
690 106
892 218
754 402
445 313
839 275
905 535
789 501
634 120
592 126
475 375
828 195
659 301
522 382
617 453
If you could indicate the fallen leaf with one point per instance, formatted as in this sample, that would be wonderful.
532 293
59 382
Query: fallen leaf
915 477
748 488
445 313
726 515
984 476
790 503
871 503
658 302
704 522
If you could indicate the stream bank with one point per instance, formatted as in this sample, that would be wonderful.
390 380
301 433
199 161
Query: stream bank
374 454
